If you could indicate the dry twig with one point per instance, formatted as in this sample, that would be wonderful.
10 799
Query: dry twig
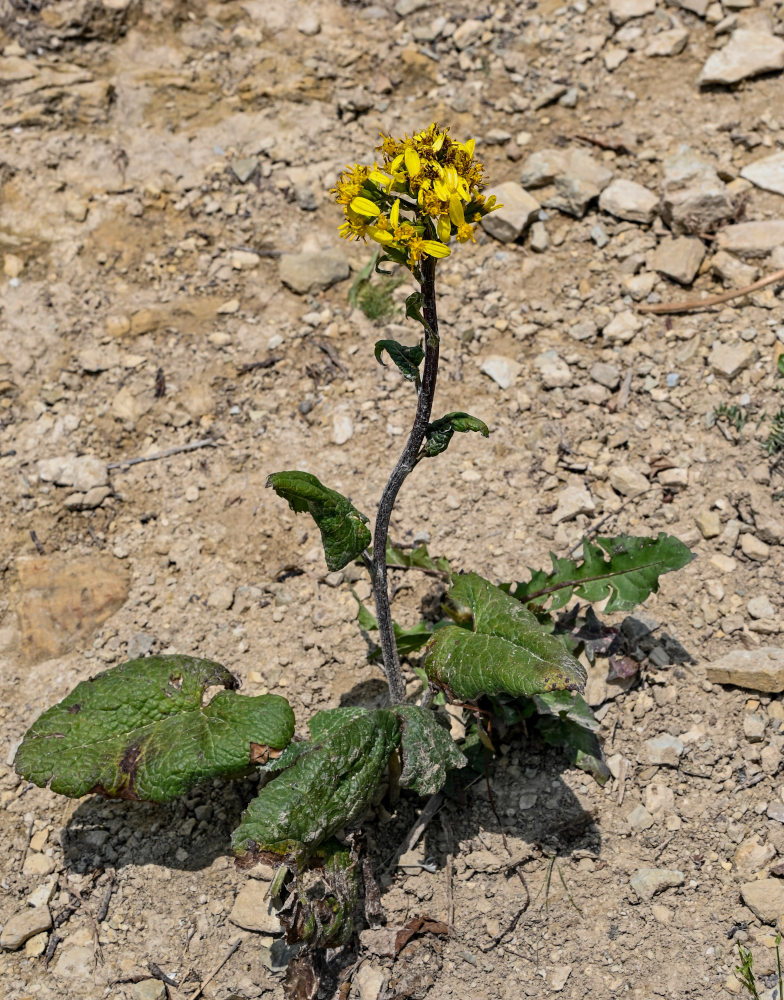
712 300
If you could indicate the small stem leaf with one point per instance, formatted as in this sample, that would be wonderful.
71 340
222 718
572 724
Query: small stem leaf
344 534
362 277
414 304
439 432
141 731
407 640
625 569
417 558
567 720
427 750
407 359
327 788
503 650
391 255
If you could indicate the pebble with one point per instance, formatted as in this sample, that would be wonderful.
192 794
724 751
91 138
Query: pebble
629 200
577 176
87 501
76 961
406 7
746 54
12 265
752 239
308 24
503 371
342 427
38 865
518 210
668 43
755 669
627 481
149 989
554 371
244 168
765 898
678 258
639 819
253 909
754 548
664 749
540 241
694 199
466 34
370 980
312 271
767 174
760 607
729 360
558 976
648 882
82 473
606 374
221 598
23 925
622 11
754 727
733 271
709 523
751 855
623 327
573 500
659 798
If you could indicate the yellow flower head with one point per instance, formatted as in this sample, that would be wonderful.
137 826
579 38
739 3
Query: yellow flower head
426 191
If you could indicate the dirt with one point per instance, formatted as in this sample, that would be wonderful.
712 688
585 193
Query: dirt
127 325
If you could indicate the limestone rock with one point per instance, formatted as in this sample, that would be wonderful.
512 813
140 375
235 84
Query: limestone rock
664 749
82 473
629 200
627 481
519 209
694 199
253 909
709 523
313 271
468 33
606 374
650 881
63 599
622 11
503 371
751 855
732 271
668 43
767 173
752 239
765 898
554 371
573 500
622 327
23 925
756 669
729 360
678 258
577 176
747 53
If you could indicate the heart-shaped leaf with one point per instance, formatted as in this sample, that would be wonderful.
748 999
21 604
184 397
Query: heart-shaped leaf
427 750
504 649
440 432
327 788
407 359
344 532
141 730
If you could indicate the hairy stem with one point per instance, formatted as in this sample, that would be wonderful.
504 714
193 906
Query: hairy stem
406 462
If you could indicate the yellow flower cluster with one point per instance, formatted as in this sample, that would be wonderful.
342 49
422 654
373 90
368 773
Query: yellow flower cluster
426 191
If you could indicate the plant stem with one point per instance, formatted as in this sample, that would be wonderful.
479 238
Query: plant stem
406 462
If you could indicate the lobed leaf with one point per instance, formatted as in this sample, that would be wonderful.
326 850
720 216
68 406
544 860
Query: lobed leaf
440 432
427 750
327 788
625 570
407 359
567 720
142 731
344 532
504 649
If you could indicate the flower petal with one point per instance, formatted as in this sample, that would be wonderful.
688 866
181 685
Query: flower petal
364 206
394 215
413 163
443 228
456 213
433 248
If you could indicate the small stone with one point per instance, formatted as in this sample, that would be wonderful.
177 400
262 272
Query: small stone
540 241
754 548
36 945
12 265
648 882
698 7
775 810
577 176
658 798
733 271
38 865
751 855
274 953
606 375
244 260
678 258
370 980
668 43
767 173
614 56
467 33
752 239
639 819
192 493
228 308
342 427
622 11
87 501
729 360
406 7
519 209
149 989
765 898
694 199
661 914
221 598
554 371
664 749
244 168
756 669
674 478
76 962
117 326
312 271
746 54
558 976
573 500
760 607
627 481
503 371
628 200
43 893
253 909
709 523
754 727
639 286
308 24
24 925
622 327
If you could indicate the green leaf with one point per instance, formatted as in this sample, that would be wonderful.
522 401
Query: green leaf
504 649
391 255
327 788
414 304
427 750
362 277
141 730
407 359
439 433
344 532
625 569
567 720
417 557
407 640
780 364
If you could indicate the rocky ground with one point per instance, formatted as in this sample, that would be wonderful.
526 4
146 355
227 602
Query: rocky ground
172 279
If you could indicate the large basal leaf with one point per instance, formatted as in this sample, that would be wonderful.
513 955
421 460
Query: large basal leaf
427 750
344 532
440 432
504 649
141 731
567 720
407 359
625 569
326 789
